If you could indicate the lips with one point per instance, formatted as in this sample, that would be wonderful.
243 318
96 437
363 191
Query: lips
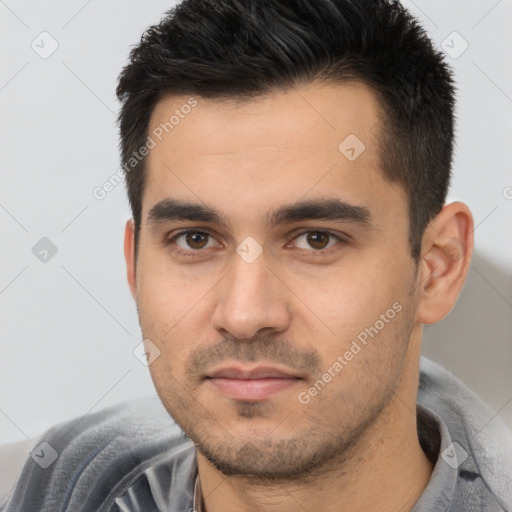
265 372
253 385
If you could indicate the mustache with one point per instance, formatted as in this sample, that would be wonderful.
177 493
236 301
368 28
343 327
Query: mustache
262 348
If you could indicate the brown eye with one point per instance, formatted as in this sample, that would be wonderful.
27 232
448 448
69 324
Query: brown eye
196 240
192 241
318 240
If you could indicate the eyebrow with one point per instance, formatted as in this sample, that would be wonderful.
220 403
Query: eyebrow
318 209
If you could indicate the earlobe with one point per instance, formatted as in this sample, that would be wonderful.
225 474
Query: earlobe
447 250
129 256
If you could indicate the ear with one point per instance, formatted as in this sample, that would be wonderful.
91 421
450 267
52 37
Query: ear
447 247
129 256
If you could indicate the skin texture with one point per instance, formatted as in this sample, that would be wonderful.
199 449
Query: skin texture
297 307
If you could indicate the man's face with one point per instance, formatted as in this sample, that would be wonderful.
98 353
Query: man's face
283 317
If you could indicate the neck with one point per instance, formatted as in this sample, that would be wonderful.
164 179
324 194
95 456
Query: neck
385 470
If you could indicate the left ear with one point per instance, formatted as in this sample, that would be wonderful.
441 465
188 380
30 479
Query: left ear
447 247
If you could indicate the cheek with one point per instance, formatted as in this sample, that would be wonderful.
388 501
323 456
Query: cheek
367 307
162 312
174 315
165 297
356 300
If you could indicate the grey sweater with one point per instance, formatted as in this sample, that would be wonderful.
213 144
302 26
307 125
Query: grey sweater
134 458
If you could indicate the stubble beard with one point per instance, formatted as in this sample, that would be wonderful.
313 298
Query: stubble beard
324 440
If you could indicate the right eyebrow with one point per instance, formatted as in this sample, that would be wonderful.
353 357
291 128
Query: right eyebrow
173 209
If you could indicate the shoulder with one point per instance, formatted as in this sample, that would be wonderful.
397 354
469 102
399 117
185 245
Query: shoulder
84 459
12 457
484 438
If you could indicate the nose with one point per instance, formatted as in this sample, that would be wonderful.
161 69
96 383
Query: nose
250 299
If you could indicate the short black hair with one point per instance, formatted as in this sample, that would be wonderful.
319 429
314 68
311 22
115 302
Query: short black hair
244 49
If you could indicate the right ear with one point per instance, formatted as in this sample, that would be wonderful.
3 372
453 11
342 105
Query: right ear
129 256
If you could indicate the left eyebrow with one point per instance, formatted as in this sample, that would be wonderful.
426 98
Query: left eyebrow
327 209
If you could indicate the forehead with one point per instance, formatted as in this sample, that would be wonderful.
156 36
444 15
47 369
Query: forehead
326 111
314 141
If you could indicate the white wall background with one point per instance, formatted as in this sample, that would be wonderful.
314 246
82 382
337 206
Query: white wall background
68 326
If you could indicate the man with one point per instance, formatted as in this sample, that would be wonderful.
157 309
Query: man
287 165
